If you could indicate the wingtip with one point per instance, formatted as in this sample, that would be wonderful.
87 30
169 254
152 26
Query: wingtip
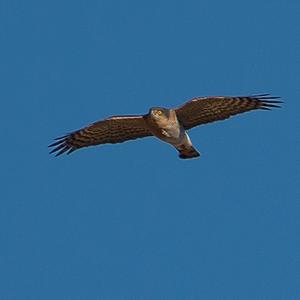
60 146
267 101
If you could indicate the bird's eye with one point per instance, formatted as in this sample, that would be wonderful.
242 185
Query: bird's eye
159 112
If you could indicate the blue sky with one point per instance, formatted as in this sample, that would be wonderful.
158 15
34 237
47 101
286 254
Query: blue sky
132 221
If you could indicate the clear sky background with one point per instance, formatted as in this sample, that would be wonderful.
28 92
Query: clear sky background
132 221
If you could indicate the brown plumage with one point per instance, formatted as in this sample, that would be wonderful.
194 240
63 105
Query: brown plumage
113 130
169 125
204 110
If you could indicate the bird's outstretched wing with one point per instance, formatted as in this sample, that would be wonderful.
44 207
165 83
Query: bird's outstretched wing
209 109
113 130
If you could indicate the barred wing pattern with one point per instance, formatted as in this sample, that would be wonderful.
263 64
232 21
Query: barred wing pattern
113 130
204 110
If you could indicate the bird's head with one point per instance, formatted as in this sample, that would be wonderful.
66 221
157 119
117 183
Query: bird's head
159 113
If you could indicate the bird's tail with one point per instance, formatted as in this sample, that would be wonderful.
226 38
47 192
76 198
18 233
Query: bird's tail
188 152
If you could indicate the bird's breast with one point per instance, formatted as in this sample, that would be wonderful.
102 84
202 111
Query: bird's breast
166 129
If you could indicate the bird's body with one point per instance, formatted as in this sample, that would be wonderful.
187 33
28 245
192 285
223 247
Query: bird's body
164 124
168 125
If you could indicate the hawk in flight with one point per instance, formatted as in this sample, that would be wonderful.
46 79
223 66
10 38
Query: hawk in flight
169 125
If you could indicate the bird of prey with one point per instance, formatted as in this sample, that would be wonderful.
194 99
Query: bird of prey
169 125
